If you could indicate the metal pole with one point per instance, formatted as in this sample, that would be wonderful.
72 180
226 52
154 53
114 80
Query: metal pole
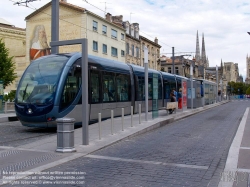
131 116
99 124
112 118
139 113
191 83
173 60
122 119
54 24
146 81
216 83
85 104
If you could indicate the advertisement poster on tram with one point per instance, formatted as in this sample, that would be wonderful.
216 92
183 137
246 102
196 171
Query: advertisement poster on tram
184 93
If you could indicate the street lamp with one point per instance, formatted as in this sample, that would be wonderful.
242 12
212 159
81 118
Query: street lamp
191 83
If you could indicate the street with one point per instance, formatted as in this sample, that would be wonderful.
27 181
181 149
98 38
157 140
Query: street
188 152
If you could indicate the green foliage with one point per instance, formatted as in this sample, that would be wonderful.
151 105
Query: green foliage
7 66
10 96
248 91
238 88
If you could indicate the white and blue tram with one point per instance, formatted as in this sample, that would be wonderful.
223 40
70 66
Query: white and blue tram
50 88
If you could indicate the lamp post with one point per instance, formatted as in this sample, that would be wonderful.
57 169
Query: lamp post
191 83
216 83
146 81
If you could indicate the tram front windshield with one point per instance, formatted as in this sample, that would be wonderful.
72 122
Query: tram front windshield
39 82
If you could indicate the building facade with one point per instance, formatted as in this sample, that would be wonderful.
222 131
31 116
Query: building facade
133 44
105 39
15 41
154 61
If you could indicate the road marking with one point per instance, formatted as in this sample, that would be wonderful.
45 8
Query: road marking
233 154
244 147
146 162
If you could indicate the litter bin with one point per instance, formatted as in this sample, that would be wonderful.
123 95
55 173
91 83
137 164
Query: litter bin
65 135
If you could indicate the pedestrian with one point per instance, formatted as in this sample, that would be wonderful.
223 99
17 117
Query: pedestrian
172 99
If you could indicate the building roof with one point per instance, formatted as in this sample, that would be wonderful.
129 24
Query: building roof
4 22
77 8
74 7
147 40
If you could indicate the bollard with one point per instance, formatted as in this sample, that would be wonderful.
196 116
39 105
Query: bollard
65 135
131 116
139 113
99 124
112 118
122 119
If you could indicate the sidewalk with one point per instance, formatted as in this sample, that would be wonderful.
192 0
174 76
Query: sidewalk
237 169
40 155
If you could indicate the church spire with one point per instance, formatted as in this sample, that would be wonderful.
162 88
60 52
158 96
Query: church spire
197 53
203 51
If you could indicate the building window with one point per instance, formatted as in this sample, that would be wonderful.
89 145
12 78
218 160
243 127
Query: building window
122 53
176 70
114 51
169 70
122 36
104 29
104 48
95 26
137 52
132 48
114 34
95 46
127 48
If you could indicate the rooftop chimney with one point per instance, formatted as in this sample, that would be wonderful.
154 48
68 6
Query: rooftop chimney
109 17
156 40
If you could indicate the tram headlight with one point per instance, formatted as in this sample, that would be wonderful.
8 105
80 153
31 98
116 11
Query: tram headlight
30 111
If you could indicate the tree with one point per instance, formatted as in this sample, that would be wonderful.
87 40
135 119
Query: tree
7 66
248 91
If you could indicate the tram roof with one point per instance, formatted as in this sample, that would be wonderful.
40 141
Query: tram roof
140 71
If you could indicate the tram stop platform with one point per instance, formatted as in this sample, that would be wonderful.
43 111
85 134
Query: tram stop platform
41 154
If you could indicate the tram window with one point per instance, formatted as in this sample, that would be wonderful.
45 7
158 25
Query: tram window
72 85
150 88
123 87
159 89
140 91
108 86
95 87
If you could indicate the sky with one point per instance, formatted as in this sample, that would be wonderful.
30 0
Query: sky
224 23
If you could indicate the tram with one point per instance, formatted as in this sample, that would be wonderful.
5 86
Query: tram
50 88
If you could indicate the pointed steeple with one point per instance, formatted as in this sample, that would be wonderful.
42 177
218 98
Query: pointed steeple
203 51
197 53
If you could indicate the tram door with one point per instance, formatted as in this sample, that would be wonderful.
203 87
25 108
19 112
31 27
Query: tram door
95 93
108 93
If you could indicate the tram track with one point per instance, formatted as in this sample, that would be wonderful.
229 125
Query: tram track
14 134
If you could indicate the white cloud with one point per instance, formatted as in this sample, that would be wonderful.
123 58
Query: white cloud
225 23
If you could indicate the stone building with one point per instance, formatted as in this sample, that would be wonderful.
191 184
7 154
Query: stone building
15 40
105 38
154 61
181 66
248 70
133 44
